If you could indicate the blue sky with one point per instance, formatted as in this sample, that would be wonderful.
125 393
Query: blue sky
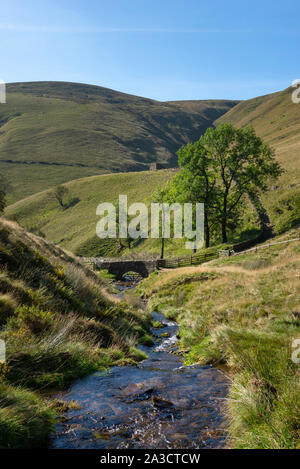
166 50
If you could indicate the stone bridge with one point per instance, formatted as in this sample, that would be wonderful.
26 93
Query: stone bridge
119 267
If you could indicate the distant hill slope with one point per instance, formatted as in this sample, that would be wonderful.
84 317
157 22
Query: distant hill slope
53 132
277 120
74 228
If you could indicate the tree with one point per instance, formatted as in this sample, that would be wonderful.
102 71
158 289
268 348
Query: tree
128 239
220 169
245 164
161 196
196 182
60 192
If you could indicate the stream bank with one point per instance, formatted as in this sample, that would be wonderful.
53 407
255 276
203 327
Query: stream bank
158 404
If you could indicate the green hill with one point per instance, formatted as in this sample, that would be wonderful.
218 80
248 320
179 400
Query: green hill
74 227
54 132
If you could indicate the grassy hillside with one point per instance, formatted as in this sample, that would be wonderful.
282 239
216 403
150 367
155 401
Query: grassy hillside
53 132
74 227
277 120
59 323
242 313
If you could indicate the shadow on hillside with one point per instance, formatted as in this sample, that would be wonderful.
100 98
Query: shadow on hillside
72 202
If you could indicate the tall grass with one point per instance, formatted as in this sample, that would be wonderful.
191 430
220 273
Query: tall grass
242 312
59 323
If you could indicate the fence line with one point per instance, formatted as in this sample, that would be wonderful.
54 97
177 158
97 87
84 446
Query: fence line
196 259
264 246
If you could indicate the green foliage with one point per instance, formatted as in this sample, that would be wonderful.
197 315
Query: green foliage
60 192
220 169
275 119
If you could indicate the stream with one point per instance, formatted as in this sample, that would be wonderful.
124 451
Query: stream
157 404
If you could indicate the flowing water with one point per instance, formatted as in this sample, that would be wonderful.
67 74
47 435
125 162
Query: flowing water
158 404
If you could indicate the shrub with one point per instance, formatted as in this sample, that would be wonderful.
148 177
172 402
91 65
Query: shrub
31 317
147 340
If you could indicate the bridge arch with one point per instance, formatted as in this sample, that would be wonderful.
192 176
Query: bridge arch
132 275
119 267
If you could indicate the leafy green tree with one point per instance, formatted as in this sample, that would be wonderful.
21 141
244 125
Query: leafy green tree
196 182
244 164
220 169
60 192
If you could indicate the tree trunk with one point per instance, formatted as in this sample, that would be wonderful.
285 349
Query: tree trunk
206 229
162 248
224 230
224 218
224 234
